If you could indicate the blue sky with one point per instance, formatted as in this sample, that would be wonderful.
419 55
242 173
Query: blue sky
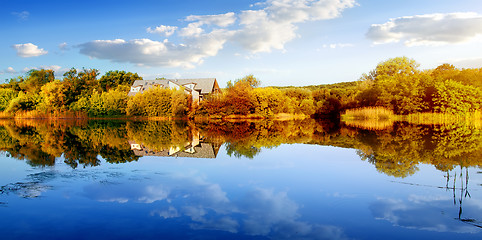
282 42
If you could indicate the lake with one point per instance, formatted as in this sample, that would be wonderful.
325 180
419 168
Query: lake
300 179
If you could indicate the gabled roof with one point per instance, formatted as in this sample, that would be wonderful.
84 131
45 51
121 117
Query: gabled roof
203 85
137 83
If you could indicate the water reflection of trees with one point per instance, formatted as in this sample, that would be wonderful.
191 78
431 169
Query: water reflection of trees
396 151
80 143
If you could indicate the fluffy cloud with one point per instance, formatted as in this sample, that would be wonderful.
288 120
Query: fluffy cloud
63 46
275 25
194 29
29 50
146 52
9 70
337 45
263 30
163 30
259 33
221 20
294 11
429 29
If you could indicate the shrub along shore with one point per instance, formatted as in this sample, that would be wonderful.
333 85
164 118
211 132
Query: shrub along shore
396 89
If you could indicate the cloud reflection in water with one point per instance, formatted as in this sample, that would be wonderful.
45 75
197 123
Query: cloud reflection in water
257 212
424 213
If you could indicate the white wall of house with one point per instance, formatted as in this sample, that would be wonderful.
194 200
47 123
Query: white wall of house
190 86
195 96
136 89
173 85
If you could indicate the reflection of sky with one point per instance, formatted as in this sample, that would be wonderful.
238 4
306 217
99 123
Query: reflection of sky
259 212
424 213
291 192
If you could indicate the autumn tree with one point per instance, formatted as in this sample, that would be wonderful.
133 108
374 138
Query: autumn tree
80 83
36 79
454 97
238 99
267 101
6 95
54 96
112 79
153 102
397 85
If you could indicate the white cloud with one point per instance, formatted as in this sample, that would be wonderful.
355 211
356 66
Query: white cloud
260 30
10 70
259 33
338 45
29 50
171 212
221 20
63 46
146 52
428 29
22 16
163 30
295 11
274 26
194 29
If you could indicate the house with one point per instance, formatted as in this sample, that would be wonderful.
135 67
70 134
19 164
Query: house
199 88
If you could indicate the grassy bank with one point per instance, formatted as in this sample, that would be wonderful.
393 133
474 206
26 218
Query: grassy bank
382 118
368 113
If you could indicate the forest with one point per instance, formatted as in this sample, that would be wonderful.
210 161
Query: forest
397 85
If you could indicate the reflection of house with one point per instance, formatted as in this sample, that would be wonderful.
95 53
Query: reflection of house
196 149
198 87
202 150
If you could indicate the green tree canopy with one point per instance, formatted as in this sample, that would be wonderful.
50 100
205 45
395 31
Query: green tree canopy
112 79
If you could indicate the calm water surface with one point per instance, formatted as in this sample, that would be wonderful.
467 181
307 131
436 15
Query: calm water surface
288 180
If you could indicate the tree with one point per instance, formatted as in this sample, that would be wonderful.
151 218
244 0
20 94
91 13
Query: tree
394 66
80 83
23 102
36 79
180 103
249 81
397 85
112 79
153 102
238 99
54 96
267 101
6 95
296 96
454 97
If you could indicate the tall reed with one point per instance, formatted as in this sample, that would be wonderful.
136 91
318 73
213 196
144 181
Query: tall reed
366 113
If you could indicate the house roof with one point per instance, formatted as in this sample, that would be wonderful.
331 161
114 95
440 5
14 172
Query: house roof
204 85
